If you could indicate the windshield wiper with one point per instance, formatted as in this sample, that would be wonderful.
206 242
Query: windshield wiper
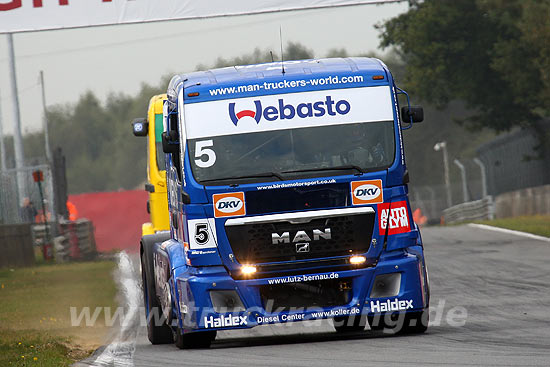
256 175
347 166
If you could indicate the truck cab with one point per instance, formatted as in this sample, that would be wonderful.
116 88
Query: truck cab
157 204
288 201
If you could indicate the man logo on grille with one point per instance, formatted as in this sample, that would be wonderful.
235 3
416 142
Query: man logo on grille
301 237
302 247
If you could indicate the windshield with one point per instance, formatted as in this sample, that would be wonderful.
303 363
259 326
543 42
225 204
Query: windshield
293 153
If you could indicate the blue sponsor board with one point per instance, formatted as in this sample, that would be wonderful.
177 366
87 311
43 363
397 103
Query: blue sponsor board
268 79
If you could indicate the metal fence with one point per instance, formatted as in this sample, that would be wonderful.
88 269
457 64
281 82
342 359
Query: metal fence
18 184
432 199
513 162
510 162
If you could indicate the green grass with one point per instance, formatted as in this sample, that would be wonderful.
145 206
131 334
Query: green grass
31 348
535 224
35 312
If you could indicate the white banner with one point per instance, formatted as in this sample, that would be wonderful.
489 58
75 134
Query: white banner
288 111
35 15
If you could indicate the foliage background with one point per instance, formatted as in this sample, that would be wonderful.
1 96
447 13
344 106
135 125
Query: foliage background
477 66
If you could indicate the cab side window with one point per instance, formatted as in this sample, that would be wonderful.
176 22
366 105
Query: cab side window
173 136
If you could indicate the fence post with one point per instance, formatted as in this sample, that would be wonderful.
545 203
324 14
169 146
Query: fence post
59 183
464 185
483 176
443 146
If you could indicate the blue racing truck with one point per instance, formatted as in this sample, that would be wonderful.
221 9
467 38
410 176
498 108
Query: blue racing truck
288 200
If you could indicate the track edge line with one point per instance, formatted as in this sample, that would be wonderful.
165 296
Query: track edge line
509 231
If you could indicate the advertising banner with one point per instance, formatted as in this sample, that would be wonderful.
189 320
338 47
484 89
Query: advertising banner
36 15
288 111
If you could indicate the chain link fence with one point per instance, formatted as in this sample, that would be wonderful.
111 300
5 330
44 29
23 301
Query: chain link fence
12 195
432 199
511 162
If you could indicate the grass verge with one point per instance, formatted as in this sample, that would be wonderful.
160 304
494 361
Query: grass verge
37 349
535 224
35 320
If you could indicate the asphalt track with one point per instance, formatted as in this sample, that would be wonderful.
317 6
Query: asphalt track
502 281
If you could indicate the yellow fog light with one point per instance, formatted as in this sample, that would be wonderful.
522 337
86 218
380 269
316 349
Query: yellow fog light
356 260
248 269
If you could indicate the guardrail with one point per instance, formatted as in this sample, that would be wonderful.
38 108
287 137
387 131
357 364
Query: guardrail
471 210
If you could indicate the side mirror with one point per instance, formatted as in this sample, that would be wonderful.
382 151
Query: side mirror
416 112
185 198
170 143
140 127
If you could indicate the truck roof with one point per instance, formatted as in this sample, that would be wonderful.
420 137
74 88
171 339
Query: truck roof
292 68
216 84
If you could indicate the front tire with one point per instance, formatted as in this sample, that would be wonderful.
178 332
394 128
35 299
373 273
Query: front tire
158 331
416 322
408 323
349 324
194 340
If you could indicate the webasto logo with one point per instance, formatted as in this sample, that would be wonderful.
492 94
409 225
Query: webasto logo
288 111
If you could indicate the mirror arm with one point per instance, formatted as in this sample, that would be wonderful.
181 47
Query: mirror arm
401 91
168 146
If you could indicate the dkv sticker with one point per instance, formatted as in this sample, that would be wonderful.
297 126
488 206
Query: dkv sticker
229 205
367 192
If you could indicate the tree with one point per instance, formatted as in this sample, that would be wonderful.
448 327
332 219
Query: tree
102 154
492 54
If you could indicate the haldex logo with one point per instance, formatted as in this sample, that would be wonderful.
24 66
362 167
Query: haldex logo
387 306
288 111
224 321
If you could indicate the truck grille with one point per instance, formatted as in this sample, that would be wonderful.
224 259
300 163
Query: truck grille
319 238
296 296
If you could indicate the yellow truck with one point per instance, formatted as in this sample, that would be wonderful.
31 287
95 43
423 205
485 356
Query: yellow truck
157 204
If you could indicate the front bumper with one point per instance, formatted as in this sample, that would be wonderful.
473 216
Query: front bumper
196 311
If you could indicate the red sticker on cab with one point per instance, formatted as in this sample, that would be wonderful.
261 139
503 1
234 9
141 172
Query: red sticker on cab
398 220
